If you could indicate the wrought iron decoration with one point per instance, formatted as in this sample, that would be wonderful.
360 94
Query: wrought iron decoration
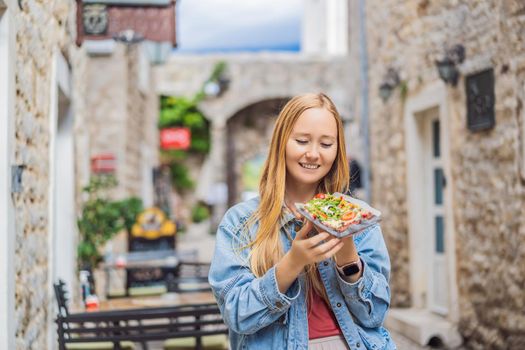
480 100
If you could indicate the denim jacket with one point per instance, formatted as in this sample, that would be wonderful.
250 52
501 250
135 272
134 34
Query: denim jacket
259 316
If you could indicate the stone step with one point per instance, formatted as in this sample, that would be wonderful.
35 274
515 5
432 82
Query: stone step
423 326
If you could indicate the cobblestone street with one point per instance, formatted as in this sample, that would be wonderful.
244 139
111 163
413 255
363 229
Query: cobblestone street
404 343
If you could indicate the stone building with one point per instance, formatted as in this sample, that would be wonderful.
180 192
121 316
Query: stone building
37 174
122 39
448 178
60 104
122 113
120 104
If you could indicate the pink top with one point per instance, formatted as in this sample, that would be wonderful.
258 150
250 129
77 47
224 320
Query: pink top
321 320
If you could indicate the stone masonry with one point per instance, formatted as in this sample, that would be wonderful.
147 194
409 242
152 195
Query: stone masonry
115 110
121 116
41 28
488 188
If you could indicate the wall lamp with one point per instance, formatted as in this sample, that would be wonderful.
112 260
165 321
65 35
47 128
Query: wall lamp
390 82
216 87
448 66
128 37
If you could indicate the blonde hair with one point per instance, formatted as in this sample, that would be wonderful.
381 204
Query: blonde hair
266 247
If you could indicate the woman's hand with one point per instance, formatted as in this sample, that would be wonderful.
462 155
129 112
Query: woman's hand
348 253
311 250
304 251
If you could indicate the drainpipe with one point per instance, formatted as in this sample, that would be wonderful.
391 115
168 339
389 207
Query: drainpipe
364 127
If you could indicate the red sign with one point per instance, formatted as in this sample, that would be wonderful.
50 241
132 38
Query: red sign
103 163
175 138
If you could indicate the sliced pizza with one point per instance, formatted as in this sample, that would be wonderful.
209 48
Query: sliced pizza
336 212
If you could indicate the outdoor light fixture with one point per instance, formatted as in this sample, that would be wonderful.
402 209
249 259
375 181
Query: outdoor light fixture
447 67
390 82
215 88
128 37
158 52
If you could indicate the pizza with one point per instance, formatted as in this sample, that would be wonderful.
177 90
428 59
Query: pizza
336 212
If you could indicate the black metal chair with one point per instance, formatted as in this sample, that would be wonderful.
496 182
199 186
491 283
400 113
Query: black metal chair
64 327
119 328
61 296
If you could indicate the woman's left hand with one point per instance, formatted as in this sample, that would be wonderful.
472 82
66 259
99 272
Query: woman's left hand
348 253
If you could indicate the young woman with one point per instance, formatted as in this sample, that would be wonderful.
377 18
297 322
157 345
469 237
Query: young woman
278 282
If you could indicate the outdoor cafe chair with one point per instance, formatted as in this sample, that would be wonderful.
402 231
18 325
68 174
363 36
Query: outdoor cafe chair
199 326
63 311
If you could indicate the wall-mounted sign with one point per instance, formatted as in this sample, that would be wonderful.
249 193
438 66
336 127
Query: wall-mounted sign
104 19
152 223
103 163
95 19
480 100
175 138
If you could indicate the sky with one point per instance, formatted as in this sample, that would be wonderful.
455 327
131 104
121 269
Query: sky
238 25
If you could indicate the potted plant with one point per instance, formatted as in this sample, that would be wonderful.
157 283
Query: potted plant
102 218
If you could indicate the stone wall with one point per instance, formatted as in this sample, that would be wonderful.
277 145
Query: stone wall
120 108
41 28
256 77
122 116
488 191
106 109
141 141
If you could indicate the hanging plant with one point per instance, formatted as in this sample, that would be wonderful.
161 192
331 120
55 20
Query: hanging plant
182 112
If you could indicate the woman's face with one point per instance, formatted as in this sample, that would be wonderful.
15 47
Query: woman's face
312 147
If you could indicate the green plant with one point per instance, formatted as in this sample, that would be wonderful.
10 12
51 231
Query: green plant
199 213
403 89
130 208
177 111
183 112
180 177
102 218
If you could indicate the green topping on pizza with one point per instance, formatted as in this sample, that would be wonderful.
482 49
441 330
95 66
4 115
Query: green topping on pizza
336 212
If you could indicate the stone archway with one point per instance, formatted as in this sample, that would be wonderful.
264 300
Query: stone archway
248 134
254 79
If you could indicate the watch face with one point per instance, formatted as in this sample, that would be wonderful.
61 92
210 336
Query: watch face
351 269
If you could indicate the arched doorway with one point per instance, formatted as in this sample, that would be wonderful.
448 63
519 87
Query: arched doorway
248 134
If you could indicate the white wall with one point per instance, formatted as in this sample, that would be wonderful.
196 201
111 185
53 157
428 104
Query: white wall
313 33
325 27
62 224
7 228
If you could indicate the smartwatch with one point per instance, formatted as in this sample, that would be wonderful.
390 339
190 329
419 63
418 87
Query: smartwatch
350 269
